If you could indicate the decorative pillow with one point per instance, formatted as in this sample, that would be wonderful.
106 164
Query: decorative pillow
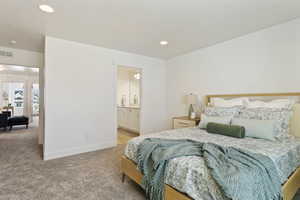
221 111
227 130
207 119
281 116
220 102
264 129
279 103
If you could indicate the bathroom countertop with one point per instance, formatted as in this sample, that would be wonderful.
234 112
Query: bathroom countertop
129 107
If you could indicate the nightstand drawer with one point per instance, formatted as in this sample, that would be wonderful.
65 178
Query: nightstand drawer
179 123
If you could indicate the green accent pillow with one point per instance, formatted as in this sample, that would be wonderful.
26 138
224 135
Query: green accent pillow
227 130
263 129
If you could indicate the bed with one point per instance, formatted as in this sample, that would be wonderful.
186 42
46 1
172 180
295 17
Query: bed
188 178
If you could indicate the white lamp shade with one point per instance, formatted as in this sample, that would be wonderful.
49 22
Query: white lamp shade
191 99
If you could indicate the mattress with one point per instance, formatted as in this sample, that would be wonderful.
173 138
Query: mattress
191 176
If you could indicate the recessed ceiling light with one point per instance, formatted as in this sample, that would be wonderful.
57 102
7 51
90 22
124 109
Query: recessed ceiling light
46 8
164 43
13 42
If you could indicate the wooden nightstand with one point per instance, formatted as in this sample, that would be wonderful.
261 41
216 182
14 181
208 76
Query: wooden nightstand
184 122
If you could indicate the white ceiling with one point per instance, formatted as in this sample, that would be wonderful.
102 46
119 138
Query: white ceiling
138 25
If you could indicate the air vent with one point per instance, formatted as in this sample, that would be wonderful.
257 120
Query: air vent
6 53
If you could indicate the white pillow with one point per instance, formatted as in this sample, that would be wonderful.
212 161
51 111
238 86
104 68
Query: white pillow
220 102
264 129
207 119
279 103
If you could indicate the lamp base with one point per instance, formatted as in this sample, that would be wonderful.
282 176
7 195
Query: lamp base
191 110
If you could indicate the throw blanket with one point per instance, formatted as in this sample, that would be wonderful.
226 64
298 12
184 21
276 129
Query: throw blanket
241 175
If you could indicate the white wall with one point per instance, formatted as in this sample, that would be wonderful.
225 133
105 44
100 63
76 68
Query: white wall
80 96
123 86
153 84
264 61
22 57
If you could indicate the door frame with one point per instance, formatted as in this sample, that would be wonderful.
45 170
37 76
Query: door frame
40 141
140 69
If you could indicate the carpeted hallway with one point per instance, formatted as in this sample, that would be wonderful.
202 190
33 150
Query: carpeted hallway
89 176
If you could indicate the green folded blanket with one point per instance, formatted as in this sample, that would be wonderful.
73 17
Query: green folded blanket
241 175
227 130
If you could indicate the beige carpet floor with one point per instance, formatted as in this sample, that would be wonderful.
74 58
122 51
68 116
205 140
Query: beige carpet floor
89 176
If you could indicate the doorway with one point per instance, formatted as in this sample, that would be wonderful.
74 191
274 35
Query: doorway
19 109
128 102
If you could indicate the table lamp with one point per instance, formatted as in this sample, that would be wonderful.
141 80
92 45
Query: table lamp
191 99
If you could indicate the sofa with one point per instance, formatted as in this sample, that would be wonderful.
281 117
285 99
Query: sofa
17 121
7 121
3 120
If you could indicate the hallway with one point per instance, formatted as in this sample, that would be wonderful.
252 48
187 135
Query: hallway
19 145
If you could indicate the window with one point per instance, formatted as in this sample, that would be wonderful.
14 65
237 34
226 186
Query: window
35 99
13 95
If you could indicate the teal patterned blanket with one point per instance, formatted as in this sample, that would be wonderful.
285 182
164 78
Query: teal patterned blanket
240 174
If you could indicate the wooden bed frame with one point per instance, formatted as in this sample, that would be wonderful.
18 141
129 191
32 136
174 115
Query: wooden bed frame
289 188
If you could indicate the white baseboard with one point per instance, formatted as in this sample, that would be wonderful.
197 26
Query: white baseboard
78 150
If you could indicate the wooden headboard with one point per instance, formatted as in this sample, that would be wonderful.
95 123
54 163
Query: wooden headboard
209 97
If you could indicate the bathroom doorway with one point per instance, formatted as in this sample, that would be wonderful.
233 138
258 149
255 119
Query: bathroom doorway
128 102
